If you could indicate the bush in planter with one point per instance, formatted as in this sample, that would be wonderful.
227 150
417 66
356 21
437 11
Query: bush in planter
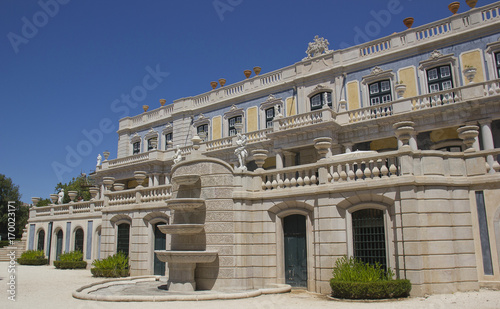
113 266
71 260
32 257
354 279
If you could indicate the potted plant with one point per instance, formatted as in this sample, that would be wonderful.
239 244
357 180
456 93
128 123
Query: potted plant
469 72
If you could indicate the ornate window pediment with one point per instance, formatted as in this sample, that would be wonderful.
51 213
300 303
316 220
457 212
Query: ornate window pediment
272 101
201 120
151 134
377 74
233 112
438 72
169 128
135 138
436 58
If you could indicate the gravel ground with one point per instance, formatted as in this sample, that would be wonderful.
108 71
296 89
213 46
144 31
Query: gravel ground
47 287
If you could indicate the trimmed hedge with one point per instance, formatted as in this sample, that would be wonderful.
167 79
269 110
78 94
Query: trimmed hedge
371 290
32 261
110 273
70 264
354 279
32 257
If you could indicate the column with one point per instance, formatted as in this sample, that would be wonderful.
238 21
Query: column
150 180
279 158
289 158
167 180
488 143
156 179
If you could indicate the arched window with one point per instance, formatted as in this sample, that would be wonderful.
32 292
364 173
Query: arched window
41 240
369 236
123 238
79 240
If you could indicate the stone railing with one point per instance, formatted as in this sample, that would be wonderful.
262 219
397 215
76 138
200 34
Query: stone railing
371 112
128 160
221 143
139 195
303 120
258 136
295 176
361 167
66 209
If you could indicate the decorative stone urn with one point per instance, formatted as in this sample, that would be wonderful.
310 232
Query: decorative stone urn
408 21
196 142
247 73
72 195
470 73
54 198
145 108
222 82
260 156
468 134
106 155
471 3
453 7
139 177
322 145
257 70
400 90
118 186
35 200
213 84
108 182
404 131
93 192
162 102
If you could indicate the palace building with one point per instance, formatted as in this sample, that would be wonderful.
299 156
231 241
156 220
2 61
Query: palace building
387 151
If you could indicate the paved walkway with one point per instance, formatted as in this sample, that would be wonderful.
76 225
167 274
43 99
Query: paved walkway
47 287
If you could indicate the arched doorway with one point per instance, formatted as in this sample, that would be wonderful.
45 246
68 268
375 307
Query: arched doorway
79 240
160 243
59 244
294 232
41 240
368 233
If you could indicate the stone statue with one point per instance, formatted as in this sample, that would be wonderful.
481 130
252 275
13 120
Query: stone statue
177 155
318 47
99 159
61 196
240 151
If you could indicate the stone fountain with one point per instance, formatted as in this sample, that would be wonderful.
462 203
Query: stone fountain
188 244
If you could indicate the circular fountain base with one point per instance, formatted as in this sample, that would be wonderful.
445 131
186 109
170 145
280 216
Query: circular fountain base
151 288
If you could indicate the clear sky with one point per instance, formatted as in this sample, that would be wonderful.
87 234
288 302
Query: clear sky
67 67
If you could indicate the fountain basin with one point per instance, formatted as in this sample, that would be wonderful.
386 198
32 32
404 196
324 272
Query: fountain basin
185 257
185 229
187 179
185 204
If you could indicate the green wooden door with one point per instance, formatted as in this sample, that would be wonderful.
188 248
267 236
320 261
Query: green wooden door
59 243
294 230
160 244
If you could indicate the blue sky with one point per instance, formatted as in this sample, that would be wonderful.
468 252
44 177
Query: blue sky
66 66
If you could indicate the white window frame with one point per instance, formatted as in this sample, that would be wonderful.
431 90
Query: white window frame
491 50
270 102
233 112
377 75
202 120
437 59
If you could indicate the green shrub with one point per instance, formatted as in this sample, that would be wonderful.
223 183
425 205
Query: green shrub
354 279
32 257
4 243
113 266
70 260
70 264
72 256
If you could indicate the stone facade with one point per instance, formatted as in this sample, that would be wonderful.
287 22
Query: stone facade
394 135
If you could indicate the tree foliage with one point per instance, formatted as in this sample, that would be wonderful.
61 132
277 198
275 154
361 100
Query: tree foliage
10 192
44 202
79 184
